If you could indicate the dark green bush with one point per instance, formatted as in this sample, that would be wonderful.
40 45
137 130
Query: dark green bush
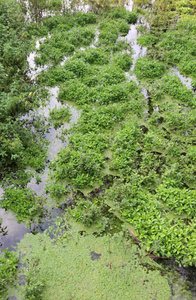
85 18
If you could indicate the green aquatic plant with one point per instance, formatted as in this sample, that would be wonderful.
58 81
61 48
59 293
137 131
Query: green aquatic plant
147 39
122 13
102 119
153 223
98 56
147 68
124 28
23 202
94 141
122 60
59 116
8 269
112 268
81 169
63 43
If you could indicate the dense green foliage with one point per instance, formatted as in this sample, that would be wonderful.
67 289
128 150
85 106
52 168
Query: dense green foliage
113 137
129 159
17 94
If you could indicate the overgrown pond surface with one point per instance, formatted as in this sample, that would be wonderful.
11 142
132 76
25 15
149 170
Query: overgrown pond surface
100 156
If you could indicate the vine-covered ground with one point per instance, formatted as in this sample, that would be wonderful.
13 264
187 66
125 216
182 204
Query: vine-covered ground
128 161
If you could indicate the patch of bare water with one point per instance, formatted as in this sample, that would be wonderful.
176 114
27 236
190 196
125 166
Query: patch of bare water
34 71
185 80
138 51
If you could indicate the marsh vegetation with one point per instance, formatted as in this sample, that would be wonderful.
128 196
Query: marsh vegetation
126 149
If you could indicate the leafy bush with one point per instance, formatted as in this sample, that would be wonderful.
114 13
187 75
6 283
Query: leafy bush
86 212
85 18
193 83
179 201
69 21
155 228
90 141
75 91
132 17
122 13
174 87
108 33
125 155
120 46
21 147
102 119
54 76
63 43
188 66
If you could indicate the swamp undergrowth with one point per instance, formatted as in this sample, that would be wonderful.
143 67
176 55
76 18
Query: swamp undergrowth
120 164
